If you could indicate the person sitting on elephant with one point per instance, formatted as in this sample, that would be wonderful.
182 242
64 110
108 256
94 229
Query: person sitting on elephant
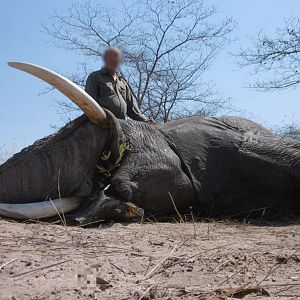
108 87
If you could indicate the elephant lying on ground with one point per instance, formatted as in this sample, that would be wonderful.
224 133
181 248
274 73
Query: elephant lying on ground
110 169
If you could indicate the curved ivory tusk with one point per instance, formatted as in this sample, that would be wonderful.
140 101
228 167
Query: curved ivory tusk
86 103
39 210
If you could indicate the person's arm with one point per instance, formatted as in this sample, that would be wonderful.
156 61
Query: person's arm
133 110
91 87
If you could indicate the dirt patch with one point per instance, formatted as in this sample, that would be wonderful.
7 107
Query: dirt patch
149 261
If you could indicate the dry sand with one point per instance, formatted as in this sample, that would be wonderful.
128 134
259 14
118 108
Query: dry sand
149 261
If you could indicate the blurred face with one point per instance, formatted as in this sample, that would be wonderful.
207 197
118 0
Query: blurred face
112 60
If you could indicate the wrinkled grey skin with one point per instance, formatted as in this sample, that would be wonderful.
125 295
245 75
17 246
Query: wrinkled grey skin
215 165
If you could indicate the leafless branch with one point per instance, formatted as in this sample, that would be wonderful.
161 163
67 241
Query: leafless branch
278 57
167 46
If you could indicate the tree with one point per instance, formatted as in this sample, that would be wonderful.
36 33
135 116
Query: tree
167 46
278 57
2 158
4 153
290 130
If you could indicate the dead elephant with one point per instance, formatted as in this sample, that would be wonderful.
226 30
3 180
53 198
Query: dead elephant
106 168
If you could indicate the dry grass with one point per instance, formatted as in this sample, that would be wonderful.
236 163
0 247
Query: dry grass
212 260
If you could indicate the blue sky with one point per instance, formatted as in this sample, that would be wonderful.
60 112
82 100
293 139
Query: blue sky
26 116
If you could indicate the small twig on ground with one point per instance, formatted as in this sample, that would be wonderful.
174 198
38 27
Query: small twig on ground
218 268
120 269
256 261
38 297
208 250
91 223
7 263
235 274
194 223
62 217
41 268
199 253
286 288
159 264
148 290
275 267
179 215
208 231
150 261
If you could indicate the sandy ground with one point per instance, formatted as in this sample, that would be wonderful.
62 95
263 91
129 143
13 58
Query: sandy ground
149 261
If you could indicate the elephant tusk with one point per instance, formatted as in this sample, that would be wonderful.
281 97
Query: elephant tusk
40 210
85 102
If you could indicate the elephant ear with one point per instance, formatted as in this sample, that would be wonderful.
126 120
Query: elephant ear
77 95
115 138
